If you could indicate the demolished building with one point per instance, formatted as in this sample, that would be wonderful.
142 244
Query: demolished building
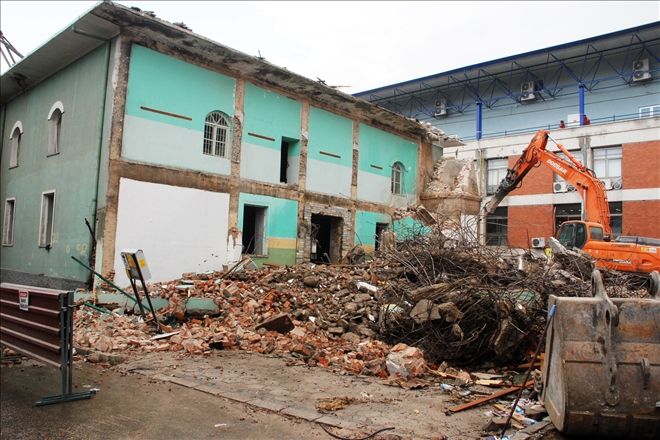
127 131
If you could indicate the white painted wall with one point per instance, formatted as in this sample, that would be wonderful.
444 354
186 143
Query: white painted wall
179 229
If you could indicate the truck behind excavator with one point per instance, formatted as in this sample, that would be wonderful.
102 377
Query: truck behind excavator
592 234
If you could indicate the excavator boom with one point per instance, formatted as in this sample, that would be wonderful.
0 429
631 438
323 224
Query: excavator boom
591 189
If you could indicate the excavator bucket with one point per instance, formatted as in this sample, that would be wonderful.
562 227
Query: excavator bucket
601 372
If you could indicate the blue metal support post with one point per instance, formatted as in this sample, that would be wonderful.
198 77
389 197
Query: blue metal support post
581 95
479 116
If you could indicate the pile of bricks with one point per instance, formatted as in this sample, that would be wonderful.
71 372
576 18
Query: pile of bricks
321 315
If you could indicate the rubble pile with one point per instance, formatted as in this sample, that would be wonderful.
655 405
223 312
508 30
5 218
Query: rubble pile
469 304
440 292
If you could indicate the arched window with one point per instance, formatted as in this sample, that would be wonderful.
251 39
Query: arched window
15 138
216 129
55 127
397 178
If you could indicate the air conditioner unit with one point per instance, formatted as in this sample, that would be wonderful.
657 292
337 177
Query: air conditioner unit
570 187
608 184
440 108
560 187
527 90
617 184
641 71
538 242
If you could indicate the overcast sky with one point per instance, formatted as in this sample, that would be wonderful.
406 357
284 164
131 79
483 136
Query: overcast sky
362 45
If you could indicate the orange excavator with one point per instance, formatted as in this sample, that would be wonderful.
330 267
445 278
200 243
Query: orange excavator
593 233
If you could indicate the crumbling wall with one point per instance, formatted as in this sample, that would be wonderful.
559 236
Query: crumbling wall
452 190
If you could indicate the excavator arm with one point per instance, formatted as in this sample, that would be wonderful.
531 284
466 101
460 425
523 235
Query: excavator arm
588 186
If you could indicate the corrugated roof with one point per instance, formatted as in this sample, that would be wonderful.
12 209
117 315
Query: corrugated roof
612 40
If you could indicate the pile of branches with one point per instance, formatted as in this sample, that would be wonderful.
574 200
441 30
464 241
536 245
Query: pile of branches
470 304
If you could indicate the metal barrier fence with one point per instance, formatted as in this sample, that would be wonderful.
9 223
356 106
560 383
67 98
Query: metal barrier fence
38 323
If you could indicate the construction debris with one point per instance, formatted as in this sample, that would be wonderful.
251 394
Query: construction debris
431 298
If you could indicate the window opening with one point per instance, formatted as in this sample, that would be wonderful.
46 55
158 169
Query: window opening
254 228
648 111
596 233
497 227
567 212
496 172
46 224
8 223
380 228
616 218
566 237
15 147
397 178
325 238
216 127
607 163
284 161
54 131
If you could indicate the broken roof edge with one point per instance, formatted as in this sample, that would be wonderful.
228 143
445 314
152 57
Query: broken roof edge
249 66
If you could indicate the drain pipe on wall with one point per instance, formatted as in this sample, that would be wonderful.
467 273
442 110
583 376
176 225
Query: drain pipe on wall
92 252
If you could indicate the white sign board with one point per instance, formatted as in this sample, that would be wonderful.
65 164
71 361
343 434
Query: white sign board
23 300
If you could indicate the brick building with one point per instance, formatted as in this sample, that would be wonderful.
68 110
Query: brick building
497 106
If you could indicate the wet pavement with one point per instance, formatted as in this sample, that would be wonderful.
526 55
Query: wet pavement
131 407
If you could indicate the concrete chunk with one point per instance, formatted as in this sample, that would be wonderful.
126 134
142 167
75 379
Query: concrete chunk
280 323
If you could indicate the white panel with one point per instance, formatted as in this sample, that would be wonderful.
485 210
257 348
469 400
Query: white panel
260 163
179 229
165 144
377 189
328 178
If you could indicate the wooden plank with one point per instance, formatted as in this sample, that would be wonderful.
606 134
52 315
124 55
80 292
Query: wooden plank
482 400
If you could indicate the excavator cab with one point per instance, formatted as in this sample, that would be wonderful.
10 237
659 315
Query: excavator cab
573 234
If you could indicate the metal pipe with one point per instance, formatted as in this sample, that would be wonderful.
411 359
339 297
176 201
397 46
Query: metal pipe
117 288
92 247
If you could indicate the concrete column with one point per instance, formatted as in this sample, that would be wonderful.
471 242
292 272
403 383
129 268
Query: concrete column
302 229
116 133
236 140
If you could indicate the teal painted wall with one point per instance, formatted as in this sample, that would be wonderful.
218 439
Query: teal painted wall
167 84
269 114
71 173
329 133
378 147
365 226
281 226
274 116
382 149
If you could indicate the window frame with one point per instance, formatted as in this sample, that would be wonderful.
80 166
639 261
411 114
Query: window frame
213 146
46 236
54 129
396 180
565 212
610 155
500 170
8 227
15 144
501 235
652 110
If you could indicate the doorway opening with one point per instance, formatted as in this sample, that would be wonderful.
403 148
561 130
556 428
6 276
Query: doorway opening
254 228
284 161
326 238
380 228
